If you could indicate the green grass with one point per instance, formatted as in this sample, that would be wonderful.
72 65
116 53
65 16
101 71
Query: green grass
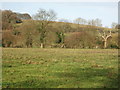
60 68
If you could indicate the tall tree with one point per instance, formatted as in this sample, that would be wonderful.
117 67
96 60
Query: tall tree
44 18
63 28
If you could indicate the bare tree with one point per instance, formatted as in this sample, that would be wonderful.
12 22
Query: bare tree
80 21
44 19
90 22
105 36
95 22
98 22
84 21
113 25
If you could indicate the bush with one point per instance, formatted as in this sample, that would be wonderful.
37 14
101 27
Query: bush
8 39
80 40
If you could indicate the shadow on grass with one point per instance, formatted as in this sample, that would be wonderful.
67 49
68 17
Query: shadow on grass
76 78
96 77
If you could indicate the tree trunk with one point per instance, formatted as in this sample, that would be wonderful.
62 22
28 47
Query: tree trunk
62 46
41 45
105 43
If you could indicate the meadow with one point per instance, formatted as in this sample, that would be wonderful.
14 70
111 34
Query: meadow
59 68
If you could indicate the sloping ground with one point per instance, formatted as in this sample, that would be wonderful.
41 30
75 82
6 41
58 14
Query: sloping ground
60 68
74 26
71 24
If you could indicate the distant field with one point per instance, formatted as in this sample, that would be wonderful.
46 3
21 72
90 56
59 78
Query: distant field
60 68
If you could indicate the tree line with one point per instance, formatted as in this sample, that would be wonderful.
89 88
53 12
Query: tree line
41 30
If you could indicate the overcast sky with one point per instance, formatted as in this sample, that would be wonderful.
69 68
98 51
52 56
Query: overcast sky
106 11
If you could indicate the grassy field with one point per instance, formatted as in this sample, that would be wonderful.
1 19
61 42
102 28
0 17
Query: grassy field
60 68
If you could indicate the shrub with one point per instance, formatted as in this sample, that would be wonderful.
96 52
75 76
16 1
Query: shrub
80 40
